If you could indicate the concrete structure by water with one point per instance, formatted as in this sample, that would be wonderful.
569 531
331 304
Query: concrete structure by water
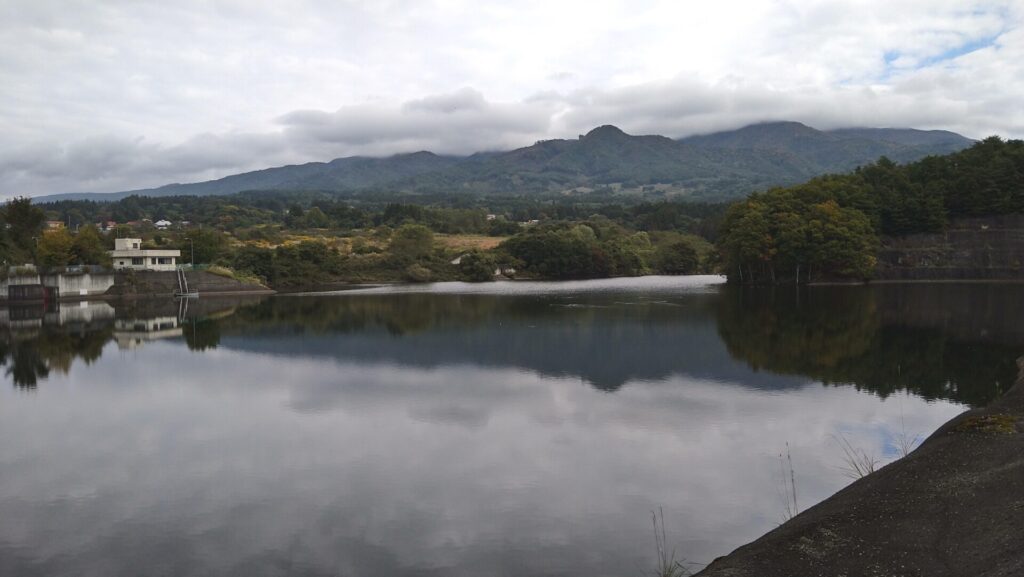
76 282
128 254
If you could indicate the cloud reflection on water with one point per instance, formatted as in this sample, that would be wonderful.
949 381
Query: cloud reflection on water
385 469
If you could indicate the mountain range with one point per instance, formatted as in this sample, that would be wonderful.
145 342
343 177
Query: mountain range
711 167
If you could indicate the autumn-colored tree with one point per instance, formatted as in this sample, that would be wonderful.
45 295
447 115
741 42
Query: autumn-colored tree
55 248
799 232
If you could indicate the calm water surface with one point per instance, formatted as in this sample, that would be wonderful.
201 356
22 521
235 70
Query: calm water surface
502 429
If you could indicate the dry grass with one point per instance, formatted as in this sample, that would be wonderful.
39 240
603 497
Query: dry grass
233 274
787 488
467 242
341 244
905 442
999 424
857 462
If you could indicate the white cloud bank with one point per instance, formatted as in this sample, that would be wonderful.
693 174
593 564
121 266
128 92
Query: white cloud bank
139 94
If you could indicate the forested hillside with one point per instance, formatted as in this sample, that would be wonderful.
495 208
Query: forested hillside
714 167
829 227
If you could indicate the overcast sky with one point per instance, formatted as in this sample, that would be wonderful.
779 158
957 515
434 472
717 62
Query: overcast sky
107 96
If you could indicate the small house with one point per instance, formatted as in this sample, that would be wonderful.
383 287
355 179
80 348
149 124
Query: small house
128 254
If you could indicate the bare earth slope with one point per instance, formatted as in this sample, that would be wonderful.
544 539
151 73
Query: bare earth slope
953 507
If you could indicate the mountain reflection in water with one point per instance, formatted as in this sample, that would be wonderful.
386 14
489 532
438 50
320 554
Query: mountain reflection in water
938 341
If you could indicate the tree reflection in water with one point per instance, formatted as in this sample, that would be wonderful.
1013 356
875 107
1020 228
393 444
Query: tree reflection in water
880 339
954 342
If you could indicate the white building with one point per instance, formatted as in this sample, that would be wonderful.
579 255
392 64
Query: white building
162 224
129 254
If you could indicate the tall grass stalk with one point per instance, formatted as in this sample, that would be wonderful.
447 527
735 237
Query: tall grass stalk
904 442
788 485
667 564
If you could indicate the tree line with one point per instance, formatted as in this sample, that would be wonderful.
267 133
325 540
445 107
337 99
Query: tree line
247 212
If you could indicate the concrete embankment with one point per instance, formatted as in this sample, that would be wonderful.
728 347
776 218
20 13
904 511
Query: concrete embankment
153 283
107 284
989 248
73 285
953 507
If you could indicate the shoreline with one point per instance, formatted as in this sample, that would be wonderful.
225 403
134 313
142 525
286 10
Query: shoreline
952 507
343 286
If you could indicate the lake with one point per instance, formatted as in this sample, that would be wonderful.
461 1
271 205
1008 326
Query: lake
466 430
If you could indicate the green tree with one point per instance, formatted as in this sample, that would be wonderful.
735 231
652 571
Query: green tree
746 241
89 247
306 263
679 257
255 260
794 243
624 257
843 241
477 267
315 218
26 227
559 254
208 244
411 242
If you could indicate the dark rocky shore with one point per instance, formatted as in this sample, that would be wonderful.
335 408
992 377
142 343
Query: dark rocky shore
953 507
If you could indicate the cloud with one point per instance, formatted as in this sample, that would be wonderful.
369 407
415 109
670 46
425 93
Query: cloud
112 162
463 100
122 96
457 123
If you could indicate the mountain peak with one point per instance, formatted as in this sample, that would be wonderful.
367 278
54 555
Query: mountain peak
605 131
778 127
764 134
781 123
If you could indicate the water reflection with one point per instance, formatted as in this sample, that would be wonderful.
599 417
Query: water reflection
951 341
954 342
35 340
450 434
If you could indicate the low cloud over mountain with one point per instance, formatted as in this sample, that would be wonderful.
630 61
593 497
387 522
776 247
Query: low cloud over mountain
137 95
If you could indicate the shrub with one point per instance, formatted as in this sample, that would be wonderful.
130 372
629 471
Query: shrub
477 267
418 273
